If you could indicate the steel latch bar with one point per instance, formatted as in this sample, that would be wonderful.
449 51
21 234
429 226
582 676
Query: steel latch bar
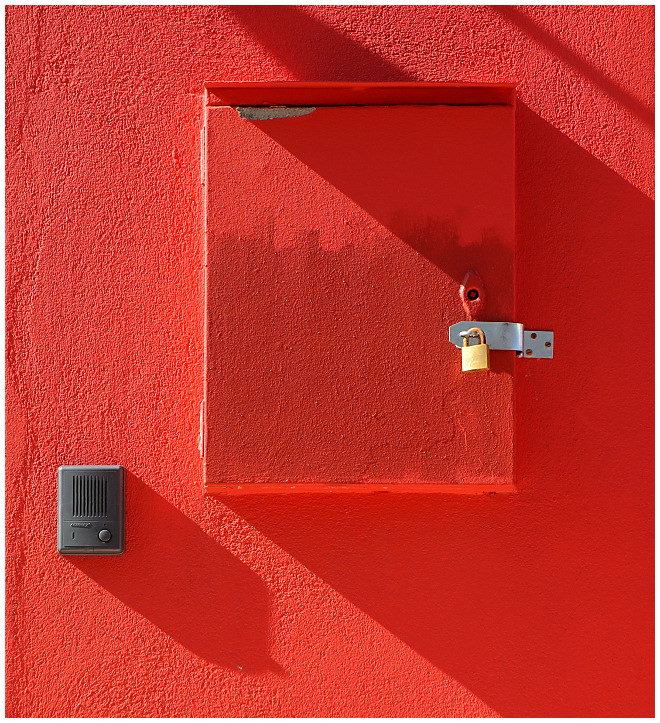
507 336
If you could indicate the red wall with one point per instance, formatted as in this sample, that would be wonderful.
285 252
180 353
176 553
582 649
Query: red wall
536 603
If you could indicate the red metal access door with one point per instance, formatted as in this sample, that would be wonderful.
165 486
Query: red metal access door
337 241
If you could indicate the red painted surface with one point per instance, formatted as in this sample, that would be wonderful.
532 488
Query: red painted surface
336 246
537 603
342 94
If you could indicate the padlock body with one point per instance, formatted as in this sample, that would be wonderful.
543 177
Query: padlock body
476 358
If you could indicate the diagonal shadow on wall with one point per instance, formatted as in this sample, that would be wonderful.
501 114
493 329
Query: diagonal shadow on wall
302 42
186 584
382 167
541 37
540 602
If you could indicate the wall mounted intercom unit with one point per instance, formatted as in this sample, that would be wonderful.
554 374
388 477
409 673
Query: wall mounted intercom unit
90 510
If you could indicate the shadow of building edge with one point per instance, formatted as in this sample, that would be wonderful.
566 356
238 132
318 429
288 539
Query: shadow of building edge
504 535
510 692
339 54
437 239
342 55
538 35
186 584
503 580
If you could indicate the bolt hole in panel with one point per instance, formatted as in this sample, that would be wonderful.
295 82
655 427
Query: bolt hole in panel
337 242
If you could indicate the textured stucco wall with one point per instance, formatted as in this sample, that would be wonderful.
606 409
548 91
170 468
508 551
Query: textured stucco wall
538 603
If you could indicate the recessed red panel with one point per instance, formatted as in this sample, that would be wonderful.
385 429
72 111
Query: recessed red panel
336 245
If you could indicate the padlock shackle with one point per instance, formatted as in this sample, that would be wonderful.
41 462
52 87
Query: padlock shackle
473 330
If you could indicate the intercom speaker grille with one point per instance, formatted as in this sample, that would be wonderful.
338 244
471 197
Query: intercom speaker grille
90 496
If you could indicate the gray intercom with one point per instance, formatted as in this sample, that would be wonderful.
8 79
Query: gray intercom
90 510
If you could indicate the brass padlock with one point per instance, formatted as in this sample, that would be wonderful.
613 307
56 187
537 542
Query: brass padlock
475 358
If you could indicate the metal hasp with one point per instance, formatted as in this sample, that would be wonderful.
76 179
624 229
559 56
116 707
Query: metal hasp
508 336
